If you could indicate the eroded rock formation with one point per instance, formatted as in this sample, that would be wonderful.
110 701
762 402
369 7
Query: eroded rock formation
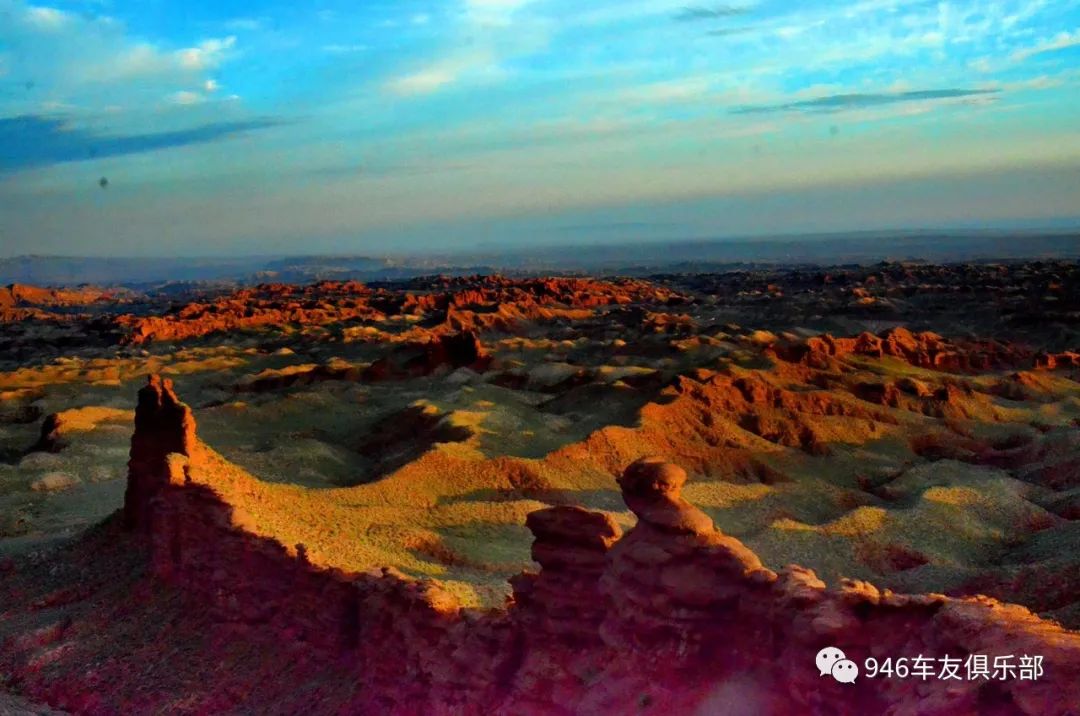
253 308
23 295
674 616
164 436
459 306
675 573
565 598
456 350
923 350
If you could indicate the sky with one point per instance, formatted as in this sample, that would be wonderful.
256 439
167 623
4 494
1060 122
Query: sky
221 127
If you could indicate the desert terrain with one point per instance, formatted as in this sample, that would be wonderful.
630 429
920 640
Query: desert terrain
550 495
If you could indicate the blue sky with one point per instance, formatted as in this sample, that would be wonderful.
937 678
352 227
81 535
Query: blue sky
401 125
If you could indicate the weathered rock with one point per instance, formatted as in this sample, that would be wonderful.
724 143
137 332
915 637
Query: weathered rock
51 439
675 615
674 570
54 482
924 350
564 599
163 426
441 352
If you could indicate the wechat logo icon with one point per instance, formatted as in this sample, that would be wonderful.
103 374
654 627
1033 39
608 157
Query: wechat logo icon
833 662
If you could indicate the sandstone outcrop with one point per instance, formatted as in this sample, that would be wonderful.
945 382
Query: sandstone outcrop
20 303
675 572
670 614
462 305
923 350
1054 361
164 435
458 350
298 375
681 587
23 295
248 309
268 594
565 599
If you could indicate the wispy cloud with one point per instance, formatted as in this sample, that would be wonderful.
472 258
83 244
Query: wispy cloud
423 82
732 31
844 102
47 18
186 97
34 140
436 76
245 24
382 170
714 12
92 61
206 54
490 105
489 32
340 49
1061 41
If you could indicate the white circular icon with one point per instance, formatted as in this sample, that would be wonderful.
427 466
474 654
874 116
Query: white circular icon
845 671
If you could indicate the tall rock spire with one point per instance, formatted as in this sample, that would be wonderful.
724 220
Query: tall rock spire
163 426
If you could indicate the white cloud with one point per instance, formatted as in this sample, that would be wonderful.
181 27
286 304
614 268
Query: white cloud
51 107
47 18
138 60
88 63
425 81
186 97
490 32
673 91
142 60
146 61
207 54
1043 82
1061 41
477 66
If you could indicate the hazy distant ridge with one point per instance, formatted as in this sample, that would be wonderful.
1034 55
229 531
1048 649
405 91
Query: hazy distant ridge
628 258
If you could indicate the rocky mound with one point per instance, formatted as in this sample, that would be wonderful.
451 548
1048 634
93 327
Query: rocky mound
451 351
923 350
457 305
248 309
23 295
468 292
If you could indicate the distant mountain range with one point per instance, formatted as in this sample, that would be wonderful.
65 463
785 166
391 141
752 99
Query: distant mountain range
608 258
